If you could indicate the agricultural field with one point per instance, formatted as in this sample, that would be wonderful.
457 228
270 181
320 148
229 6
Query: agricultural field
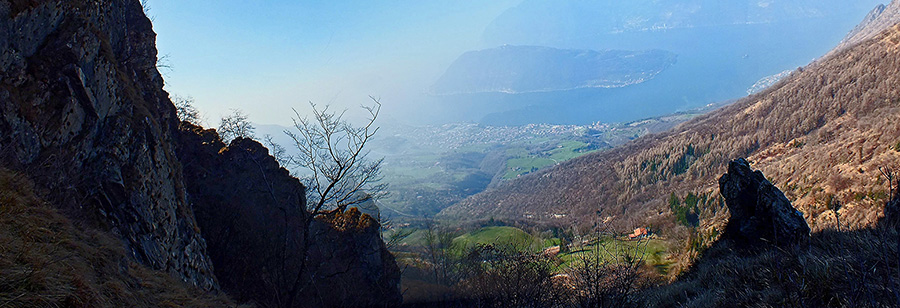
653 250
436 260
430 168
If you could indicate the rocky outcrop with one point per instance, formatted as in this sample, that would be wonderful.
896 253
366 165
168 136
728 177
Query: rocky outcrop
760 213
249 210
83 113
361 271
252 213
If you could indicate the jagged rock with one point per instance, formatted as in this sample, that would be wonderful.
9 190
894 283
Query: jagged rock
363 272
83 113
759 211
252 213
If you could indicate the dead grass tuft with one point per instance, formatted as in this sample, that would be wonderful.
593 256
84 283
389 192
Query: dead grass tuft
835 269
47 261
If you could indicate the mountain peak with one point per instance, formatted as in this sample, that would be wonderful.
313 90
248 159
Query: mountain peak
878 20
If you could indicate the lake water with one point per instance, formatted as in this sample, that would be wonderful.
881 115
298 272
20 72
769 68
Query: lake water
714 64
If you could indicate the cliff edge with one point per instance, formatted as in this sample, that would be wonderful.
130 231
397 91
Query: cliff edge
83 113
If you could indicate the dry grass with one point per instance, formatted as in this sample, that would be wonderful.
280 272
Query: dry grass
47 261
835 269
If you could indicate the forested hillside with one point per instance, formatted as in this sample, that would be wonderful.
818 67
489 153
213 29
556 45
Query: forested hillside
821 135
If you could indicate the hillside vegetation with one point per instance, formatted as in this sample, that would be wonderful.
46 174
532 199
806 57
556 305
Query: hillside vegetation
820 135
47 261
836 269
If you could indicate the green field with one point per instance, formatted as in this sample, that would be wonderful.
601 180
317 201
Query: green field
484 236
495 235
522 161
654 252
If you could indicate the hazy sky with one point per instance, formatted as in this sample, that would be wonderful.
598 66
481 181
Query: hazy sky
265 57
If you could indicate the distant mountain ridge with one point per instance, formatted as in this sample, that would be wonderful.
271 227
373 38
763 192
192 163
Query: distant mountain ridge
722 49
524 69
878 19
564 18
820 135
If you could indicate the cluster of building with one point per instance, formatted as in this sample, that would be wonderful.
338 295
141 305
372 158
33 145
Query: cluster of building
456 135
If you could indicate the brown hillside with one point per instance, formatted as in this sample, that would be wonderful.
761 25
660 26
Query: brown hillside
822 133
879 19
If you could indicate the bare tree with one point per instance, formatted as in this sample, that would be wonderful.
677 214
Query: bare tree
235 125
395 235
438 246
334 153
834 205
606 274
888 174
185 110
277 151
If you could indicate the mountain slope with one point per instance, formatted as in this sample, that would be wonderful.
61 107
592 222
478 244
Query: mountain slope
820 135
879 19
46 260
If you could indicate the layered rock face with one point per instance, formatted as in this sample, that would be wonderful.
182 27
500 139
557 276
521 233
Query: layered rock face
759 211
82 112
252 213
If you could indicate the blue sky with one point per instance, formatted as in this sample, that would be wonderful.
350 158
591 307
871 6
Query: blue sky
265 57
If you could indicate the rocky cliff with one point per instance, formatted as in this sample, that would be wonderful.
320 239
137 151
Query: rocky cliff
82 112
252 213
248 209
